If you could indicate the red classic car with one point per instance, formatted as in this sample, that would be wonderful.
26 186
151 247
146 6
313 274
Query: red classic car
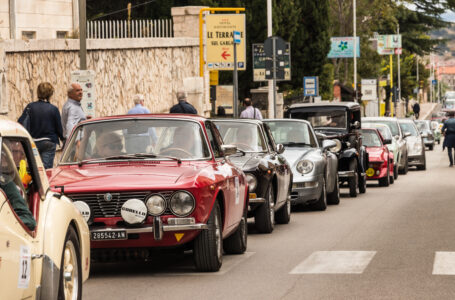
155 181
380 158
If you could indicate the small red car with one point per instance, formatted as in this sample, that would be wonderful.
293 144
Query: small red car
155 181
381 164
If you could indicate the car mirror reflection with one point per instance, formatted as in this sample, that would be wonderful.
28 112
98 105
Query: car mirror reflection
228 149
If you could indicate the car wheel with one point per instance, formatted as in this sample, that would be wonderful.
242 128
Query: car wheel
264 218
208 245
405 169
362 184
283 216
385 181
391 178
237 242
321 204
424 166
352 181
395 172
431 147
334 196
70 284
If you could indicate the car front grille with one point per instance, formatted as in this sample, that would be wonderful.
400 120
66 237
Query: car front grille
102 208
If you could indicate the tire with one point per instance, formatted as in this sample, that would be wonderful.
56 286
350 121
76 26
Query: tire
208 253
334 196
321 204
405 170
424 166
264 218
70 283
362 184
283 216
385 181
353 181
395 172
237 242
391 178
431 147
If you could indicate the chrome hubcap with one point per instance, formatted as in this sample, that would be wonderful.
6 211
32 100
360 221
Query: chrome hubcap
272 211
218 237
70 271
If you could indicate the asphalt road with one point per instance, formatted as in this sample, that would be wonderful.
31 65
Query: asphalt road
390 243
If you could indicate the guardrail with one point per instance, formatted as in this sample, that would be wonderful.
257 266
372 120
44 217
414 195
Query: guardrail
121 29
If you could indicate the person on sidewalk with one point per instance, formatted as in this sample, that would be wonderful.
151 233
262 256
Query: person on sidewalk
183 107
72 112
139 107
250 112
416 110
45 124
448 130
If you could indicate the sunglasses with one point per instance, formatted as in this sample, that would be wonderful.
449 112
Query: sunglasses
113 146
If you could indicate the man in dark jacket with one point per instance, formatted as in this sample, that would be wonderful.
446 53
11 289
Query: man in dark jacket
448 130
183 107
416 110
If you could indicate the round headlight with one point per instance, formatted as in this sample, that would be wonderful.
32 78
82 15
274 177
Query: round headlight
182 203
156 205
304 166
134 211
337 147
252 182
84 209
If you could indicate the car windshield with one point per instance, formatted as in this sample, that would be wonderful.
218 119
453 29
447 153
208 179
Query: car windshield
333 118
292 134
393 125
370 138
423 125
246 136
383 129
409 127
136 139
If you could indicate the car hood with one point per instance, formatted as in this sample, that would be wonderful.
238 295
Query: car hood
375 153
294 155
116 177
247 161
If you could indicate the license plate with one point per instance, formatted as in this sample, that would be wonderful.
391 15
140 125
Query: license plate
109 235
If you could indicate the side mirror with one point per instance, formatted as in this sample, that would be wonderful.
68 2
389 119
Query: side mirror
279 148
228 149
327 144
406 134
355 125
320 136
387 141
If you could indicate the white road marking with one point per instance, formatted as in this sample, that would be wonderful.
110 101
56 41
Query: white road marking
335 262
444 263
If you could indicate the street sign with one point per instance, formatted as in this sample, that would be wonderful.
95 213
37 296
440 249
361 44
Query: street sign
220 41
259 61
310 86
278 60
399 51
389 44
237 37
369 89
214 75
343 47
86 79
434 82
392 41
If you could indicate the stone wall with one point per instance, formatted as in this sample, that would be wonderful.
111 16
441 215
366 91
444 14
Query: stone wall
154 67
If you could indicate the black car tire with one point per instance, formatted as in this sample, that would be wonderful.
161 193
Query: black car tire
385 181
208 245
334 196
283 216
264 218
431 147
71 251
395 172
321 204
405 169
392 179
236 243
353 181
424 166
362 184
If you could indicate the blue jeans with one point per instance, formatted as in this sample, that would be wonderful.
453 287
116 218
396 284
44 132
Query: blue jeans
47 152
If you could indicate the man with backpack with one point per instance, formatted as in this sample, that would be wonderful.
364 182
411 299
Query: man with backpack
250 112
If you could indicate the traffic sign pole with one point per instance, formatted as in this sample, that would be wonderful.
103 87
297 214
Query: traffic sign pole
274 78
236 83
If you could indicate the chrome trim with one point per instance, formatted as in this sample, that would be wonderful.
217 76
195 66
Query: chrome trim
346 174
50 279
149 229
257 200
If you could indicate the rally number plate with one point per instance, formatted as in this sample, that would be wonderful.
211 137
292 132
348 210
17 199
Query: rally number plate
109 235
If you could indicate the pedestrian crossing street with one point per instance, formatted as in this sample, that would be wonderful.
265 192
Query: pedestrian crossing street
356 262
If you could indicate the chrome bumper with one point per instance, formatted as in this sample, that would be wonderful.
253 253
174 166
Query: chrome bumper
256 200
346 174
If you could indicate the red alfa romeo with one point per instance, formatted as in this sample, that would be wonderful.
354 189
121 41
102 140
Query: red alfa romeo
155 181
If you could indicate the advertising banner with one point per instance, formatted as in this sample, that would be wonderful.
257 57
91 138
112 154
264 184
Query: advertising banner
343 47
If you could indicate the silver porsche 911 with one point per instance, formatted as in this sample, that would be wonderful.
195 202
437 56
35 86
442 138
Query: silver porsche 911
314 167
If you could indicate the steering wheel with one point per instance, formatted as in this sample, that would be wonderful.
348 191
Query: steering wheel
244 146
185 153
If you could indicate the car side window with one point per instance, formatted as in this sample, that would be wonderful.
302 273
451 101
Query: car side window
269 137
212 139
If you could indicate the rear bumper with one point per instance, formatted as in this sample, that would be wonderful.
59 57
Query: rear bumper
416 160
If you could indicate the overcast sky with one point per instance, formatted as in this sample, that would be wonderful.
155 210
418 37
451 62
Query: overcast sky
449 16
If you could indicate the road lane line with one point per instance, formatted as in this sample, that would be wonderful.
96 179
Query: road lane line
335 262
444 263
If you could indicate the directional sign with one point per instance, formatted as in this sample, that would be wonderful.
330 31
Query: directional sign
310 86
220 41
237 37
259 59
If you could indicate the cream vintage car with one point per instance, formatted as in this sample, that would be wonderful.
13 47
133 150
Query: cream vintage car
44 239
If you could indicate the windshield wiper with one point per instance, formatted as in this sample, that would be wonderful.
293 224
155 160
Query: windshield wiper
143 155
294 144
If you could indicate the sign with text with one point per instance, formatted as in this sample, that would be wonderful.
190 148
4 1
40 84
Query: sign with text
310 86
86 78
220 41
389 44
259 59
369 89
343 47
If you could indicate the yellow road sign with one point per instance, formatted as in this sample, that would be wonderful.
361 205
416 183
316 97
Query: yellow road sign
220 41
214 75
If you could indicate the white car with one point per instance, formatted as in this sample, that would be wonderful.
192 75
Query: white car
44 239
415 144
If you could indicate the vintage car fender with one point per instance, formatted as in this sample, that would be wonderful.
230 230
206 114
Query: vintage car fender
64 214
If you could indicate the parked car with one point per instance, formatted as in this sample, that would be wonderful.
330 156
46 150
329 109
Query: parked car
45 252
339 121
314 168
399 136
267 171
426 132
158 182
381 164
436 127
414 142
393 146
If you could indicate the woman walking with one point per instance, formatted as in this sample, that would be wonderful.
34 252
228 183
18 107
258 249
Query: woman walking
45 124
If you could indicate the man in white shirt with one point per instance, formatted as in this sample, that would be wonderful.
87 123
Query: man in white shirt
72 112
250 112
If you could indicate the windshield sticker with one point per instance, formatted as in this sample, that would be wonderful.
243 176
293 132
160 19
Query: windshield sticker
237 191
35 151
24 267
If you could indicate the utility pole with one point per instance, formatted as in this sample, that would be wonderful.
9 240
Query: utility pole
82 35
391 83
399 73
355 47
271 110
418 81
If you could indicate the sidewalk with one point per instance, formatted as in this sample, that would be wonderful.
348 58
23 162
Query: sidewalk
426 109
